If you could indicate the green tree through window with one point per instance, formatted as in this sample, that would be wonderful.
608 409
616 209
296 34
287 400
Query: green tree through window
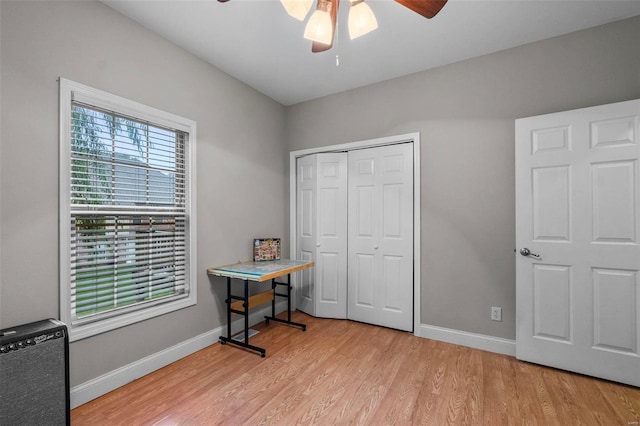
124 259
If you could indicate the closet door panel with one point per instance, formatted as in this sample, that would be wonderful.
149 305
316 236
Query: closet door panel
306 193
331 247
380 223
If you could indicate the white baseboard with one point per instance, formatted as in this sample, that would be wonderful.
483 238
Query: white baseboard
471 340
101 385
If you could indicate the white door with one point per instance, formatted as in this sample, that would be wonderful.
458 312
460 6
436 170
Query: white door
306 182
322 233
578 231
381 236
331 245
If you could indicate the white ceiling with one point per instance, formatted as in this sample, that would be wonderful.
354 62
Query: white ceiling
259 44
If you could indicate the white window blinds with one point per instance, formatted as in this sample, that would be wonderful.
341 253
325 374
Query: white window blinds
128 214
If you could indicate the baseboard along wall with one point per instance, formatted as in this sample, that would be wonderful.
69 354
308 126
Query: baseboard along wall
471 340
101 385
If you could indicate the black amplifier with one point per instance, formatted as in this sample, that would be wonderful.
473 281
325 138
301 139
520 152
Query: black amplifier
34 374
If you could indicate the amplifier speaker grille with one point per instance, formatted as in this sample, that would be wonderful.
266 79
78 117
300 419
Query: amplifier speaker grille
34 373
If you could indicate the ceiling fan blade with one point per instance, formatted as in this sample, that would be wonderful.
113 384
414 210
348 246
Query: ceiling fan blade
426 8
319 47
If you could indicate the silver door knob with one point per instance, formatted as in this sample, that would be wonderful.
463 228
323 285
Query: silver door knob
318 245
527 253
375 247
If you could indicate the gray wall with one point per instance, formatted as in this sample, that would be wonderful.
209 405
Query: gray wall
240 165
465 115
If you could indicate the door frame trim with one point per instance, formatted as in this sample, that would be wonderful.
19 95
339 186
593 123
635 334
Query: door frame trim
413 138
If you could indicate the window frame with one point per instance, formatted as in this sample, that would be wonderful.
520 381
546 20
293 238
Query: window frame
70 91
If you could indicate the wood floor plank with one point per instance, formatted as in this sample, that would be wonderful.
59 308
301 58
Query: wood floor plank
496 377
344 372
406 386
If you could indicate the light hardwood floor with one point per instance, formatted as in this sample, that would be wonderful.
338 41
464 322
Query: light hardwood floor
342 372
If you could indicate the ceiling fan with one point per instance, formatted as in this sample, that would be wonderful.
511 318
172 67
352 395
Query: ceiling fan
322 24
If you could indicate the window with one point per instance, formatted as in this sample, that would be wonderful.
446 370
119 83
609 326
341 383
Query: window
127 223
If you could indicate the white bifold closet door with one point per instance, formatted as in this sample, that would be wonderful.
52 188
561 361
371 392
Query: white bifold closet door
322 233
355 221
380 230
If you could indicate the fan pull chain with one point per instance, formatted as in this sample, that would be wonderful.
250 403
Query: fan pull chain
336 37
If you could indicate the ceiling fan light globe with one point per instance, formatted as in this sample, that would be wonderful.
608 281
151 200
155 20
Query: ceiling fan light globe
361 20
297 8
319 28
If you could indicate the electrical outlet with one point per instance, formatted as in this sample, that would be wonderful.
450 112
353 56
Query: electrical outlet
496 313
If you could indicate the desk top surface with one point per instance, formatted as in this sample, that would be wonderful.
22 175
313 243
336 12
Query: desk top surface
260 271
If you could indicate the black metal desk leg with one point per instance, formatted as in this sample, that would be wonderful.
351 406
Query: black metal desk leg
228 307
287 295
245 312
